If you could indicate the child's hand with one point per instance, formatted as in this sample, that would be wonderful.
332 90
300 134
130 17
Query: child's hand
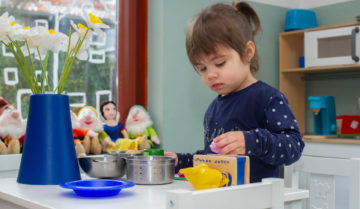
230 143
172 154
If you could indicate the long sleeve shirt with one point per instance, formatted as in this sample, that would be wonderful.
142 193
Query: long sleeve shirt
272 136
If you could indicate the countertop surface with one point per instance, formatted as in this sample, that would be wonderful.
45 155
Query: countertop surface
54 196
16 195
331 139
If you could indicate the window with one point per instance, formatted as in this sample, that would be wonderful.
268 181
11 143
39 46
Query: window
90 81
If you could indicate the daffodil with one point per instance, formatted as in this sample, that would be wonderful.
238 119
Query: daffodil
8 27
82 52
95 23
82 32
40 39
23 42
22 33
59 38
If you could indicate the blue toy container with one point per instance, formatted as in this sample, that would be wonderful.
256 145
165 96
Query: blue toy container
302 62
297 19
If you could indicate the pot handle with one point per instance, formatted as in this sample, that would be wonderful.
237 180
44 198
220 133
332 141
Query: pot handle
101 161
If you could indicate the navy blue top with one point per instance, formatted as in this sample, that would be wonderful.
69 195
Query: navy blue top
271 132
114 131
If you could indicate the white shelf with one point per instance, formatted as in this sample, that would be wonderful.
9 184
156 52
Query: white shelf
10 162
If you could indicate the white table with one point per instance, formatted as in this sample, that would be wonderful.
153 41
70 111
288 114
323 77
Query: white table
15 195
53 196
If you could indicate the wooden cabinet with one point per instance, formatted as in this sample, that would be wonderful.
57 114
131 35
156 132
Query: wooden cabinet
327 165
291 76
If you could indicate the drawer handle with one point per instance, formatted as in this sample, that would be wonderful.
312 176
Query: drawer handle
353 44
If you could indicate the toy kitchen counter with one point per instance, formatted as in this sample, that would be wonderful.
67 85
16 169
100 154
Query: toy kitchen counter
331 146
176 195
330 161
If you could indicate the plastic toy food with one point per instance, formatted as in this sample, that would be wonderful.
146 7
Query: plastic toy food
123 144
203 177
213 149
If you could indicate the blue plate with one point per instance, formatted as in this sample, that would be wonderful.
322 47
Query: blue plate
97 187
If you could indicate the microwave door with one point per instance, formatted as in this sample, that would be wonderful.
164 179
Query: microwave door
338 46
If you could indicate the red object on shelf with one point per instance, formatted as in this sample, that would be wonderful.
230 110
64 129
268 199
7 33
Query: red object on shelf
348 124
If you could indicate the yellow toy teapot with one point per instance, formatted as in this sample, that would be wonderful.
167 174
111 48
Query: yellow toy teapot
203 177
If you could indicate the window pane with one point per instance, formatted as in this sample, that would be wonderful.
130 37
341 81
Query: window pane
90 81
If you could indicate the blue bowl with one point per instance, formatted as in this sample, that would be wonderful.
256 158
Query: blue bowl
98 187
297 19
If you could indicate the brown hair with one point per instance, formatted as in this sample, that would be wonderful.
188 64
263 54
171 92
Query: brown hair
224 25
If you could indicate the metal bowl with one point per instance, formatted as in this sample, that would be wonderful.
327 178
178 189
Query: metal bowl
150 169
103 166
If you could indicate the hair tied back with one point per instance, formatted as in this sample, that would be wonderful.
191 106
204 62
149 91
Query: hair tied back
250 14
234 4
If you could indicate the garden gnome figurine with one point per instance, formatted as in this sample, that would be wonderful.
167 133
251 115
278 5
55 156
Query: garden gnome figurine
139 124
12 129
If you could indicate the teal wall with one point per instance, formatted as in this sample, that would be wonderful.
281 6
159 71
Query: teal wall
177 98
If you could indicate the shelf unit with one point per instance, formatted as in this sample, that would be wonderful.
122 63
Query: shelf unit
321 153
291 77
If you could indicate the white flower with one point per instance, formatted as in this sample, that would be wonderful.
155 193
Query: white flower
81 30
34 40
82 53
43 39
7 27
95 23
24 41
22 34
57 41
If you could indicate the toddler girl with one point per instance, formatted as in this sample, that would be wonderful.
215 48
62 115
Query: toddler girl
248 117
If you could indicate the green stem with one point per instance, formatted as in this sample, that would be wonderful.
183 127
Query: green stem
31 61
21 65
43 71
26 64
33 72
69 62
46 64
65 63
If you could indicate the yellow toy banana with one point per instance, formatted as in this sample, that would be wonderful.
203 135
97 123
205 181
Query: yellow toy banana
203 177
124 144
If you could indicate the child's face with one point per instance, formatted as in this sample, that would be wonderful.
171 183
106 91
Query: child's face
224 72
109 111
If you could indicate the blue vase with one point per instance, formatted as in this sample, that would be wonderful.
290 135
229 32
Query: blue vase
48 156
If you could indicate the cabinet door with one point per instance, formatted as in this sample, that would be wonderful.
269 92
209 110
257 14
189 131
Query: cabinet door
339 46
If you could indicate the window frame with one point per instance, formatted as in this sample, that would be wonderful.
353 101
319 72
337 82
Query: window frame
132 55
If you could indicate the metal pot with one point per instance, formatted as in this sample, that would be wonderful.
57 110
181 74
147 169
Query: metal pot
103 166
150 169
124 154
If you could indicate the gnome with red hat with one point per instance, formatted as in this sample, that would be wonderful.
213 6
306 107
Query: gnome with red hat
12 129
